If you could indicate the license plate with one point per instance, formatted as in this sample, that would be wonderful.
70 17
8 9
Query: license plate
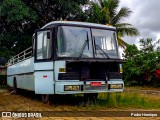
95 83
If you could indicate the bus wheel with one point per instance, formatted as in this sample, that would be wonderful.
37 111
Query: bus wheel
14 91
46 99
90 96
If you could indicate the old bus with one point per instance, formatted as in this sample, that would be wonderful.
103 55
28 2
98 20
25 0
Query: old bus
69 58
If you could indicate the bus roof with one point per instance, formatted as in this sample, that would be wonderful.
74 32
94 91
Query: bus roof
78 23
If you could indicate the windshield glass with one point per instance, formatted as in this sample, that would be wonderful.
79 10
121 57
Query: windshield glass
77 42
74 42
105 43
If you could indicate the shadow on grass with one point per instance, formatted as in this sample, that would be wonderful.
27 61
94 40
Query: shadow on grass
71 100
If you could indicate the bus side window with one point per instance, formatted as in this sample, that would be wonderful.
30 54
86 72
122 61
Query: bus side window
44 45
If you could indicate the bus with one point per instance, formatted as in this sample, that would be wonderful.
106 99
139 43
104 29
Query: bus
69 57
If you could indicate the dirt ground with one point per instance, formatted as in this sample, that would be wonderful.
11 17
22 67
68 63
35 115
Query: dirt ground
29 102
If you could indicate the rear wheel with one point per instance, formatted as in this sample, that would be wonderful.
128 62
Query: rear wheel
14 91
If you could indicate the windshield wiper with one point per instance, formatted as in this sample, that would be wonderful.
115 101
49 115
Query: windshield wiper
100 49
83 47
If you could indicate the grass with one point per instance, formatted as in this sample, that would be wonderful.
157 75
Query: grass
125 100
4 86
142 88
106 101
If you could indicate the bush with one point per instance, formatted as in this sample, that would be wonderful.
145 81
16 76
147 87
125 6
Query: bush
3 80
142 66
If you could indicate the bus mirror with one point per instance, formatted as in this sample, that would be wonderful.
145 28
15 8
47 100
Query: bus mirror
48 35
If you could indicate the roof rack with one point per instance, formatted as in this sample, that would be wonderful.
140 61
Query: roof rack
21 56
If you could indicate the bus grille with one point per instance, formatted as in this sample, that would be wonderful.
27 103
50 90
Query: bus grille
68 76
115 75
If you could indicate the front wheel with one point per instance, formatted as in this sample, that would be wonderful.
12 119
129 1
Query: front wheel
46 99
90 96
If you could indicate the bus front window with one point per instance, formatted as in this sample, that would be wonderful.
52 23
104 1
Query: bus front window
105 43
74 42
77 42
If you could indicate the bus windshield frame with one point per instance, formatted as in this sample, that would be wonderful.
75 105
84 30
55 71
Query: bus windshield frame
81 42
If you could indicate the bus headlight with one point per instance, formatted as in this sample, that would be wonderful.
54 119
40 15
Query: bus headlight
116 86
71 87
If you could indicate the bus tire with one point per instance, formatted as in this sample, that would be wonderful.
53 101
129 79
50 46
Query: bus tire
90 96
46 99
14 86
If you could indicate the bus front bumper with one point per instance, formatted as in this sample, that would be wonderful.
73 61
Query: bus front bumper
88 87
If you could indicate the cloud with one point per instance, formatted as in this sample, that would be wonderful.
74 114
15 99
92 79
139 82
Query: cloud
145 17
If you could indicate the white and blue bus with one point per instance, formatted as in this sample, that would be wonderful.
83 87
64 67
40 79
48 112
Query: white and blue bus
69 58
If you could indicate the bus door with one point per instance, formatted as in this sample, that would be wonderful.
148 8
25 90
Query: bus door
43 62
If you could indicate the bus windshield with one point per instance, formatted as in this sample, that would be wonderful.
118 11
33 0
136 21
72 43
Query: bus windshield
82 42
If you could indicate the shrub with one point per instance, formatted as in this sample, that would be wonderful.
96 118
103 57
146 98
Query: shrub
3 80
142 66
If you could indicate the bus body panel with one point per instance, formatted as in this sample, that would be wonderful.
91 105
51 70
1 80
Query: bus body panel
60 87
25 66
10 80
22 72
41 66
25 81
59 67
44 82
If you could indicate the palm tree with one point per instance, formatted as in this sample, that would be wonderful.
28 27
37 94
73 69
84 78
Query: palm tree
105 12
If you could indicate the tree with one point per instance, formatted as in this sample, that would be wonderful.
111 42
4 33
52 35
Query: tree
20 18
106 13
142 66
15 24
52 10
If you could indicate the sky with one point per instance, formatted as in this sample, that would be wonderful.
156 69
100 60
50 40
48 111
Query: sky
145 17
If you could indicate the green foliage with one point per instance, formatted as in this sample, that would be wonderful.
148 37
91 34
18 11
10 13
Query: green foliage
122 101
3 81
106 13
20 18
95 14
141 64
15 27
51 10
15 11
